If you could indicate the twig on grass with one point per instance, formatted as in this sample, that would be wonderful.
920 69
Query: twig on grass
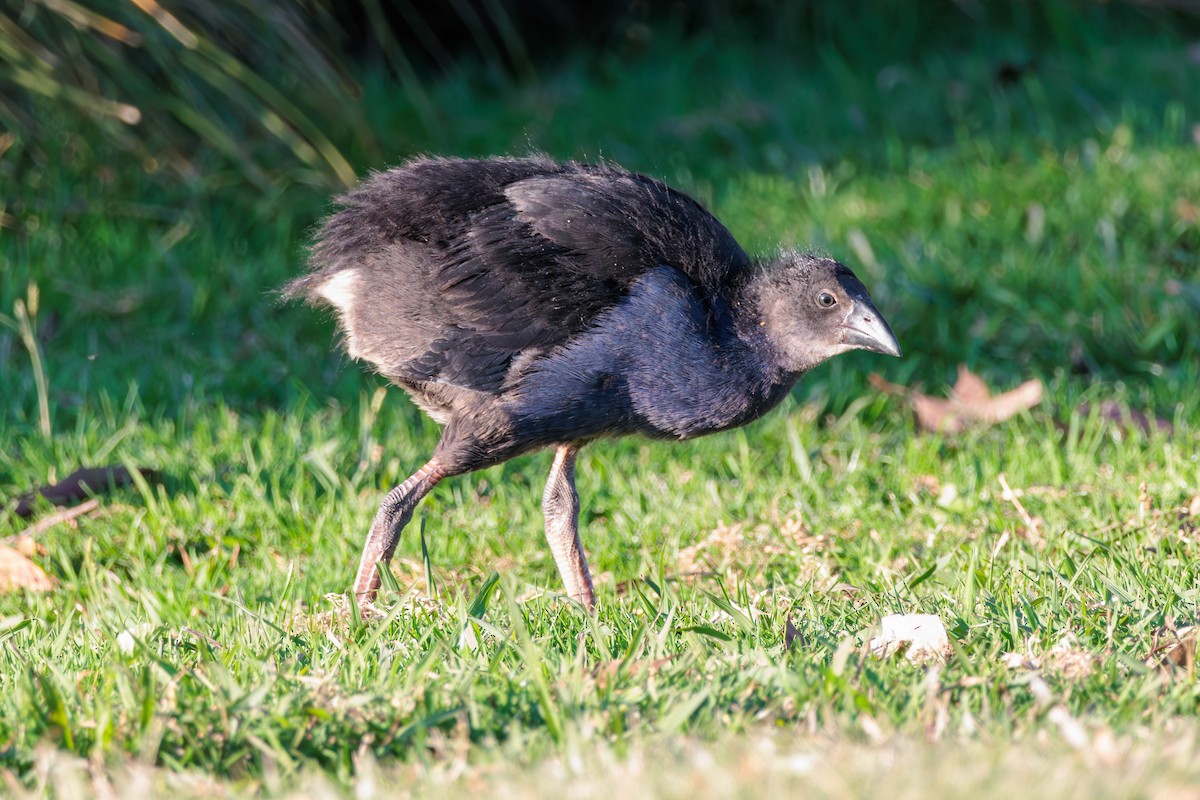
1030 523
58 517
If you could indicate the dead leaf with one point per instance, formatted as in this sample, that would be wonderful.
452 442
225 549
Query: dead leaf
720 543
79 485
922 638
1174 649
929 484
26 546
1066 658
737 551
1185 210
1018 661
607 671
18 572
790 635
1070 660
1126 419
970 388
935 414
970 403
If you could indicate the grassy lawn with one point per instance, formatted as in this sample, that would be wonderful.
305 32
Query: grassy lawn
1041 226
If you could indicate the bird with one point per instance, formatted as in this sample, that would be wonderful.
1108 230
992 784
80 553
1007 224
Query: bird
526 303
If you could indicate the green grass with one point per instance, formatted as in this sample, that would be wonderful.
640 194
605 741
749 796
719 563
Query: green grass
192 644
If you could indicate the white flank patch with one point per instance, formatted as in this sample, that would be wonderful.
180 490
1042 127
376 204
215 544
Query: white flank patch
340 291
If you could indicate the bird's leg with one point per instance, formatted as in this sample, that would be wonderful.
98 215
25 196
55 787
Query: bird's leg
560 506
394 513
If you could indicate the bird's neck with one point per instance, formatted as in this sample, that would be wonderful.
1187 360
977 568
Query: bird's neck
753 375
695 365
765 312
754 323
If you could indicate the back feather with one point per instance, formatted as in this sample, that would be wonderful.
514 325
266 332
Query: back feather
463 265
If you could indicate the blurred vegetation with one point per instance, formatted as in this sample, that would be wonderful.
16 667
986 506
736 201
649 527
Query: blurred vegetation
268 95
168 83
1018 183
797 122
254 89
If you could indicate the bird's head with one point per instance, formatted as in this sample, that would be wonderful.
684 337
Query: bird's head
814 308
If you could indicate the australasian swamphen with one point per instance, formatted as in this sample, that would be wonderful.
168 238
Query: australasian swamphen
526 303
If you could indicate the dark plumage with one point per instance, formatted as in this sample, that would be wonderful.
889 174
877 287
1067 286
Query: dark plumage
526 303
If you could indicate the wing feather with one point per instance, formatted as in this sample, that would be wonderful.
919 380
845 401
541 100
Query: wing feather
486 260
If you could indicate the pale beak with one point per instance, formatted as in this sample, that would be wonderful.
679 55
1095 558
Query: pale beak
866 329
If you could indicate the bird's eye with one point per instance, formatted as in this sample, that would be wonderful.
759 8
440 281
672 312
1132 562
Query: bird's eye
826 300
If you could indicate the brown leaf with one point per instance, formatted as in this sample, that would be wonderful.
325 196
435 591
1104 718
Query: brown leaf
936 414
884 385
1185 210
18 572
970 388
790 635
928 484
1176 649
720 544
607 671
991 410
25 545
79 485
970 403
1070 660
1128 419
